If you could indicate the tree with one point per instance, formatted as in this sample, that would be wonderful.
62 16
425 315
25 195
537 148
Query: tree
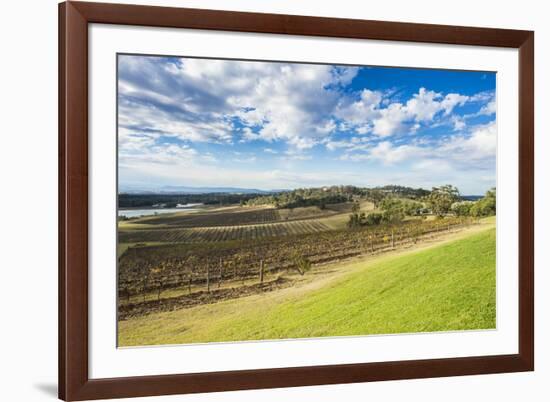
394 210
441 199
412 208
356 220
376 196
462 208
486 206
373 218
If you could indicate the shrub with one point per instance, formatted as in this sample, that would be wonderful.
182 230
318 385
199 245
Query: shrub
373 219
356 220
462 208
301 263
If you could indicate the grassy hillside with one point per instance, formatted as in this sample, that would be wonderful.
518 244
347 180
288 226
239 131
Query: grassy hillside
447 287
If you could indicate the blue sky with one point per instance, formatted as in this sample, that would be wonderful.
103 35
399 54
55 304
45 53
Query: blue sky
267 125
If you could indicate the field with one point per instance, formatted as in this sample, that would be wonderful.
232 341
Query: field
226 217
244 273
446 285
209 257
224 232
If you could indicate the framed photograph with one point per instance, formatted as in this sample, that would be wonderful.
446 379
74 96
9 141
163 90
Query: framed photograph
259 200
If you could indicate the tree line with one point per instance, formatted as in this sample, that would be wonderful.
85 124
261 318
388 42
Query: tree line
127 200
441 201
322 196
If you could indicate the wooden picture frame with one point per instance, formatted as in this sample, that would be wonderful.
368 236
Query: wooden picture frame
74 381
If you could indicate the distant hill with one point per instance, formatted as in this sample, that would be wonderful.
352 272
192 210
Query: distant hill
194 190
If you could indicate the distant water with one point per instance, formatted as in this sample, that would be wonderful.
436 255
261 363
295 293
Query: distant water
132 213
472 197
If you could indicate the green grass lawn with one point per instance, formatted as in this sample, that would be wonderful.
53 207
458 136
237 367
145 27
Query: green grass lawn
443 288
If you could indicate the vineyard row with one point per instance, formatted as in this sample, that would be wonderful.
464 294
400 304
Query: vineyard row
222 233
143 269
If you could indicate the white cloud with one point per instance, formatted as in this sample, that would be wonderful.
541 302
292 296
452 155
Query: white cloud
360 113
196 100
458 123
432 165
488 104
480 146
168 104
333 145
391 120
488 109
164 154
249 135
484 96
199 100
451 101
424 105
295 154
390 154
375 113
476 150
351 144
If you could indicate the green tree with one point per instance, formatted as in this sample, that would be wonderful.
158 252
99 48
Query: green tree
356 220
486 206
412 208
373 218
376 196
394 210
442 198
462 208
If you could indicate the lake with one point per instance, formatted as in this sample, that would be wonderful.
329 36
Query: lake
133 213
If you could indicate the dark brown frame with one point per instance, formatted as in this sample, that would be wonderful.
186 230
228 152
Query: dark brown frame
74 383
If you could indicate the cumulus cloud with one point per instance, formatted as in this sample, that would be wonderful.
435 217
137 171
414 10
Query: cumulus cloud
458 123
488 109
375 113
201 100
479 146
388 153
475 150
181 115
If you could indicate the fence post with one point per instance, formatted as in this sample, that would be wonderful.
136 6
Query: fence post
189 282
207 275
392 239
220 279
261 271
